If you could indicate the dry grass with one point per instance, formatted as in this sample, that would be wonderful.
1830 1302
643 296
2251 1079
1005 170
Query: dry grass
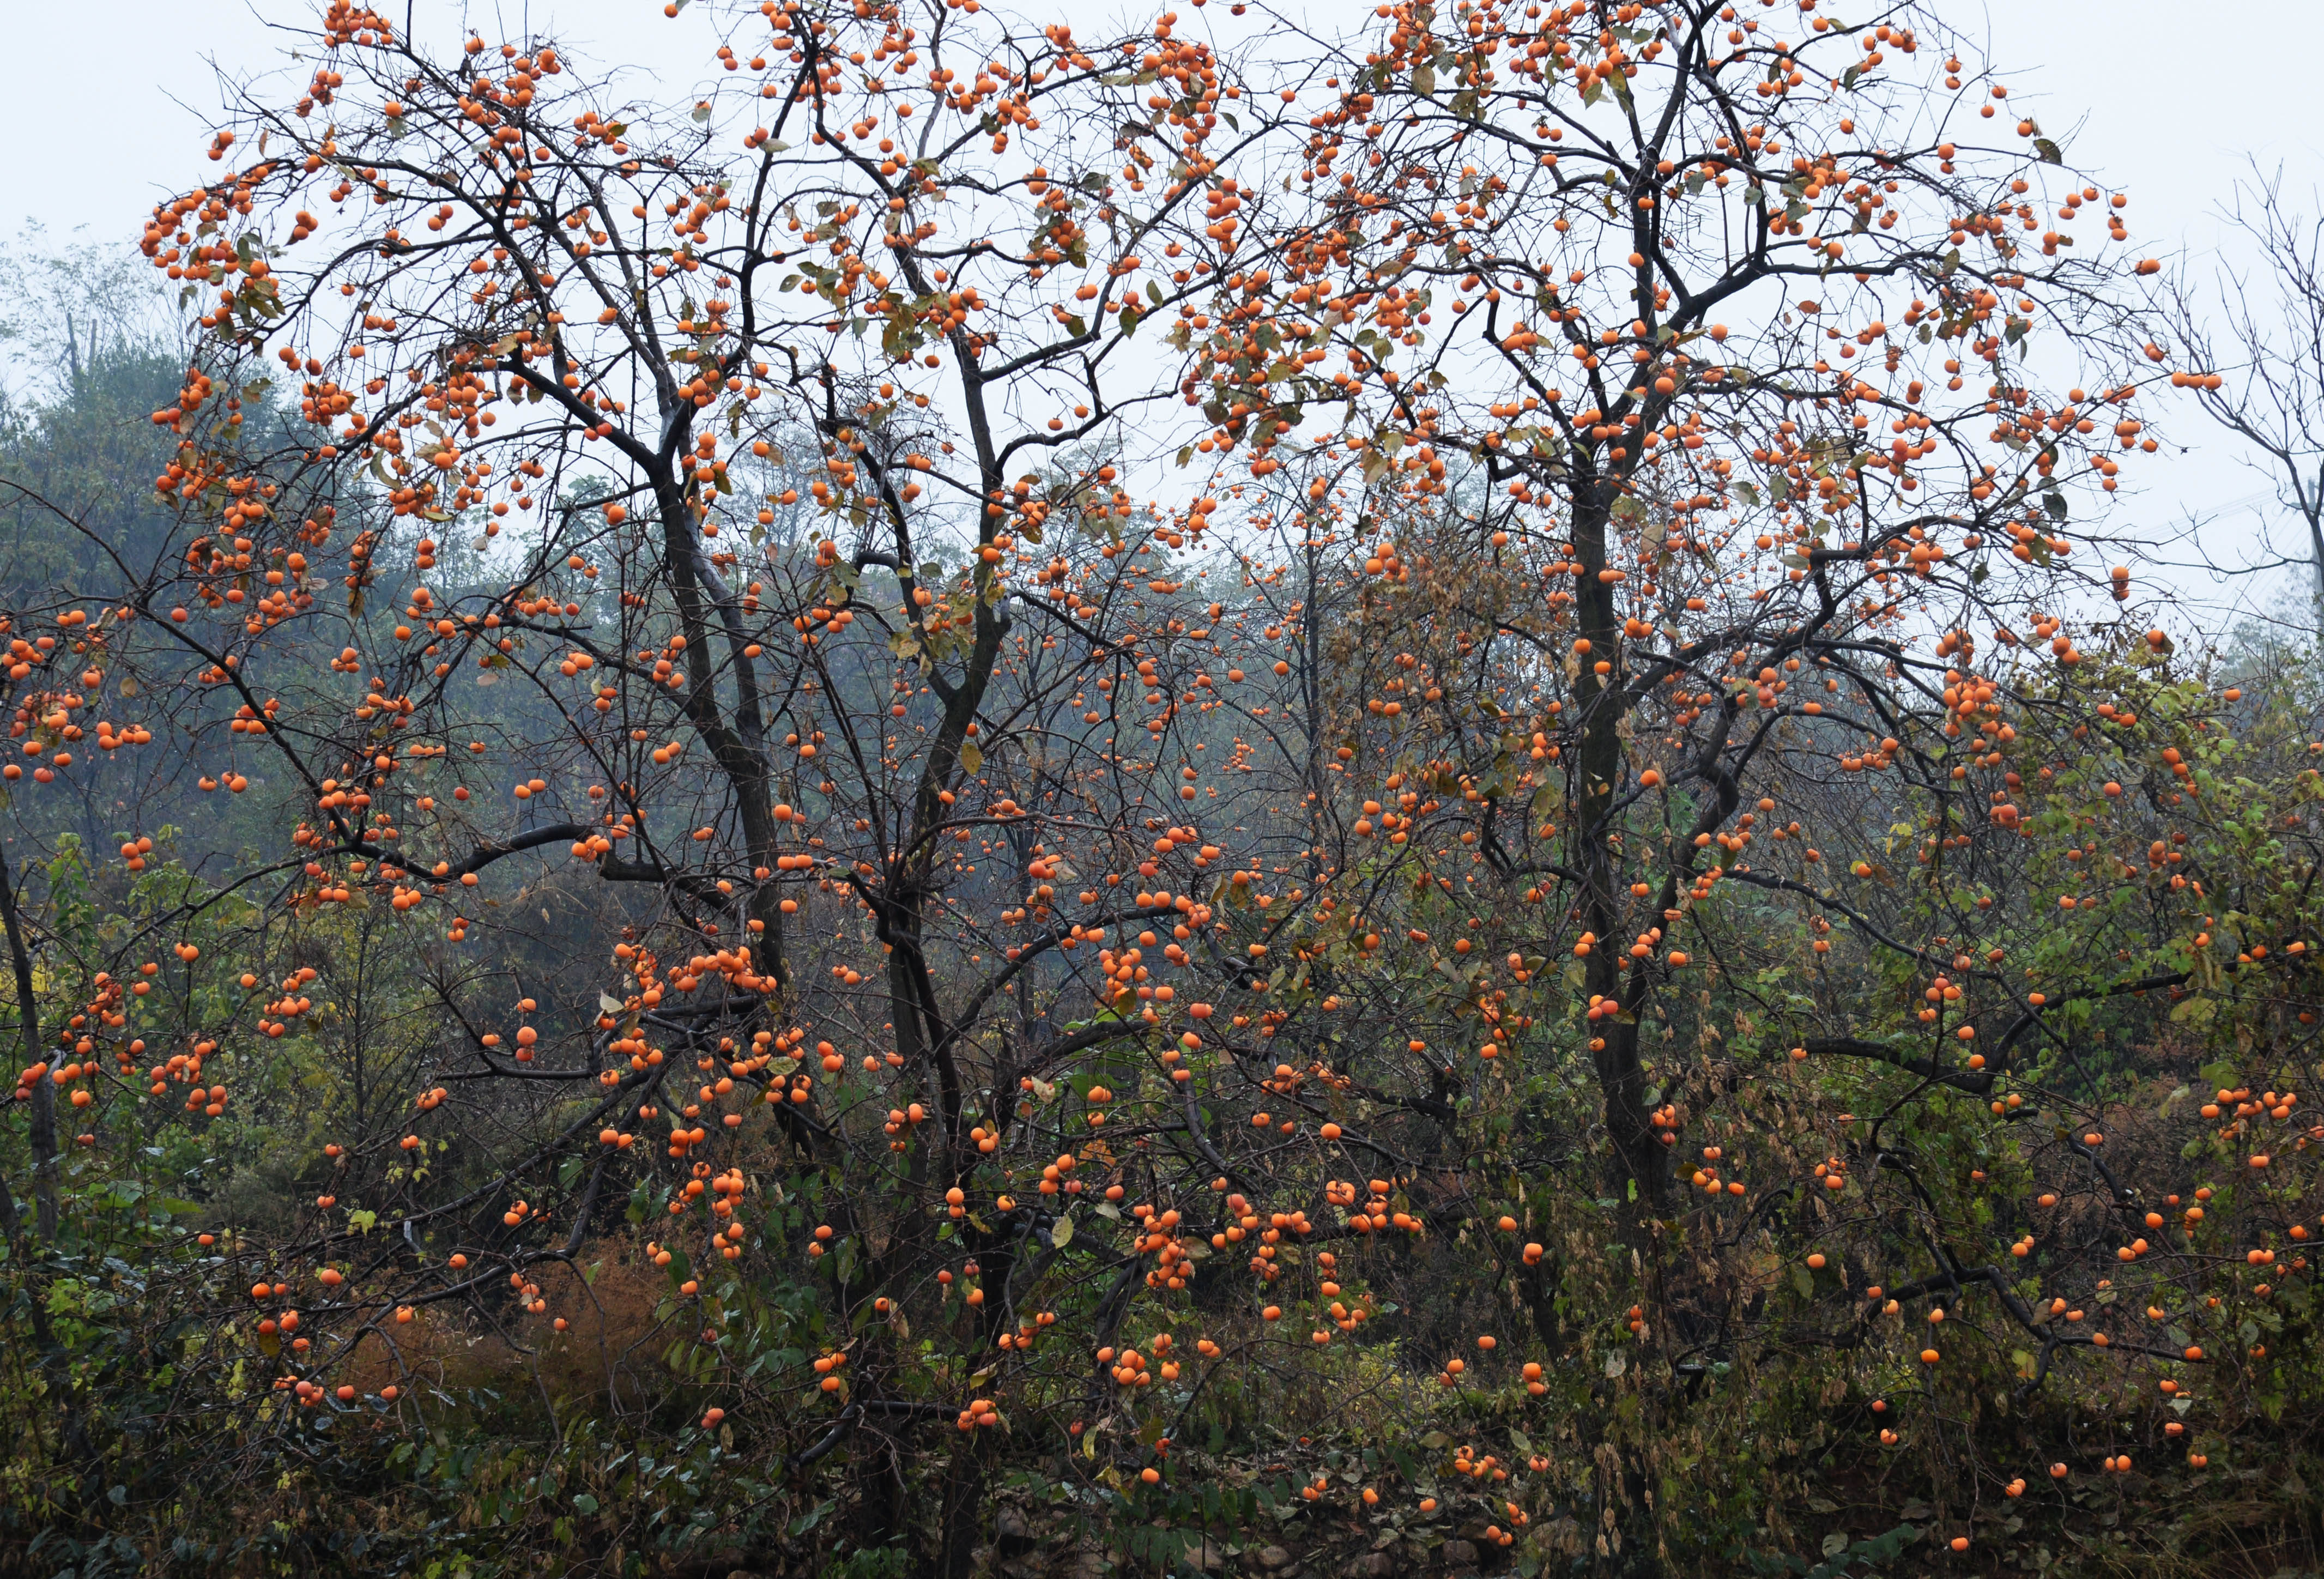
602 1358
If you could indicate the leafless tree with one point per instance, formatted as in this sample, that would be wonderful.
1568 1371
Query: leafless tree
2252 339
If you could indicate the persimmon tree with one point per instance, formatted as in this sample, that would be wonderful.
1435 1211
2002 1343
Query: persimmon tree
1139 685
1755 414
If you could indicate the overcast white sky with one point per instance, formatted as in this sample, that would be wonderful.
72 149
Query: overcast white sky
2142 101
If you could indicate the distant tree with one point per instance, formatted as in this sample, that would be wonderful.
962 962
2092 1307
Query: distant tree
2250 344
87 348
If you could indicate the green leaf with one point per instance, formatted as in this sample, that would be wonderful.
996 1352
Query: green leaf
972 759
1062 1234
585 1502
2196 1009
